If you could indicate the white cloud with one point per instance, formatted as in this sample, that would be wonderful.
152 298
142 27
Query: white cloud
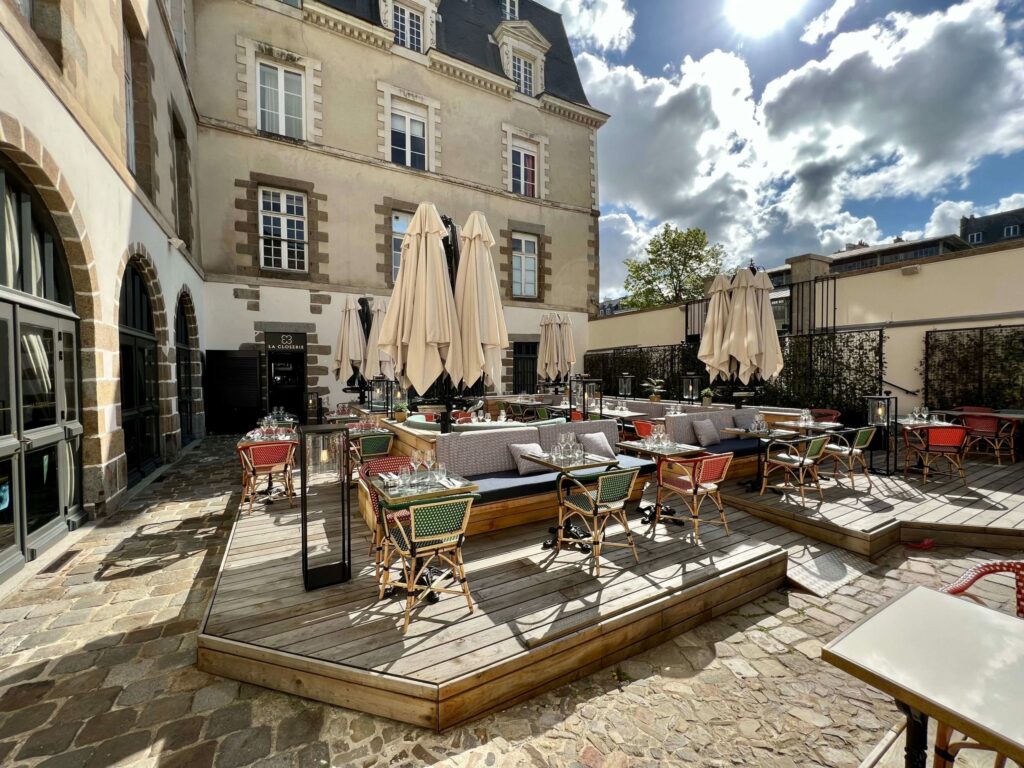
622 237
827 23
945 218
602 25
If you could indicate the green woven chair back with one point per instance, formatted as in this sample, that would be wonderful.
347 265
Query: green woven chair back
442 519
594 416
542 414
614 486
864 437
517 409
816 447
375 445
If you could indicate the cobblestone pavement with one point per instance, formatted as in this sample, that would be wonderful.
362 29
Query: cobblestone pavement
97 669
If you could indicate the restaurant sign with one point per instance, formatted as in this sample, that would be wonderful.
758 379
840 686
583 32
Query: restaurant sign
285 342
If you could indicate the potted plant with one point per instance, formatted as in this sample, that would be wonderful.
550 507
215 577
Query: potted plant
401 413
654 388
705 396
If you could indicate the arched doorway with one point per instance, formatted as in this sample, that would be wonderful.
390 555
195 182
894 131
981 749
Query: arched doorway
140 384
40 422
183 363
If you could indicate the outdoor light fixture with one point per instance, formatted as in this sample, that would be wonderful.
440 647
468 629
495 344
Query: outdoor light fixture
691 387
882 410
586 395
626 384
382 391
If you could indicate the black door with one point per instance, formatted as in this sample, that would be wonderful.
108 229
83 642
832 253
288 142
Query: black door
286 373
183 366
232 391
524 367
139 378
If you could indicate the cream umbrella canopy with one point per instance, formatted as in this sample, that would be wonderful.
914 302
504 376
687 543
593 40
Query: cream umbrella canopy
549 348
378 363
743 339
567 359
350 350
713 352
421 330
769 359
478 303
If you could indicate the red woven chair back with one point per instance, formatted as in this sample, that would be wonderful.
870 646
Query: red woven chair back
713 468
577 416
981 423
974 409
464 420
972 575
372 467
825 414
266 455
643 428
946 437
456 415
429 416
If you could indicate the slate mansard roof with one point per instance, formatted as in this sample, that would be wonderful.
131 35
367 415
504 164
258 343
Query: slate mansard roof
465 29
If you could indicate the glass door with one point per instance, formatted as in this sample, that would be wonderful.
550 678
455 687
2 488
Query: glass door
71 420
11 557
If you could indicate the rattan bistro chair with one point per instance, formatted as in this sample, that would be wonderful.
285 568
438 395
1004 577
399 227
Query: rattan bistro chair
382 518
849 452
431 535
800 466
928 444
267 459
595 509
368 447
693 480
991 432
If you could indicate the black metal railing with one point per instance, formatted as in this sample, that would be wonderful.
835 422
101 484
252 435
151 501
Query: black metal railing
812 305
974 366
670 362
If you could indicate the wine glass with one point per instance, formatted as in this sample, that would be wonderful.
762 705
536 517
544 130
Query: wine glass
924 412
429 461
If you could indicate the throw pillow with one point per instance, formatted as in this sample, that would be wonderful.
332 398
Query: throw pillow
744 418
706 432
525 466
597 444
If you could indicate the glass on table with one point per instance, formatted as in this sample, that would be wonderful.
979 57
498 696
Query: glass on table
440 471
405 476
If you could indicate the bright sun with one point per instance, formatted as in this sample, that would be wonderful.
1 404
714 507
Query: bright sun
759 18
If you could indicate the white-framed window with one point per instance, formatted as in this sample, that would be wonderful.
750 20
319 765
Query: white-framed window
129 104
522 73
280 102
974 238
524 265
510 9
524 171
399 226
408 140
283 233
408 26
1011 230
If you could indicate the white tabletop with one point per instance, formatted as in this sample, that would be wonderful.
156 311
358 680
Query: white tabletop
953 660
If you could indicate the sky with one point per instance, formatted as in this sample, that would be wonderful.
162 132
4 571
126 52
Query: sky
783 127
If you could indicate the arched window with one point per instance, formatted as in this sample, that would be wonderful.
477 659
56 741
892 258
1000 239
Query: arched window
183 363
139 377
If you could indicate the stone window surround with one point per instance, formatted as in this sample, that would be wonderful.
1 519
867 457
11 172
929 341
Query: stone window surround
248 260
389 97
511 135
522 39
508 358
249 52
385 209
526 237
427 8
504 262
284 218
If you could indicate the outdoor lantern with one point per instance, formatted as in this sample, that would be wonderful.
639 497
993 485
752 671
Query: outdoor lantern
882 415
691 387
382 395
881 410
586 395
626 384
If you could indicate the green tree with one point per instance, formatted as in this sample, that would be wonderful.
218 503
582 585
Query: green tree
677 265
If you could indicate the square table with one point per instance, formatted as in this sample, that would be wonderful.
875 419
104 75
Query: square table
763 439
813 426
425 490
661 454
943 657
567 467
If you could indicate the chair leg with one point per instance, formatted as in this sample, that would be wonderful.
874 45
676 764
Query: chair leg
943 735
817 480
717 498
629 534
410 591
462 577
595 546
800 482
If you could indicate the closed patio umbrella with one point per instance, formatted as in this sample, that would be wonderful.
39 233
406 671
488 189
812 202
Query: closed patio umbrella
743 338
378 363
567 359
713 352
478 303
350 351
549 348
769 359
421 330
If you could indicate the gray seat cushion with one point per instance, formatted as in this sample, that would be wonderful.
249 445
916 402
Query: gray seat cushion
501 486
745 447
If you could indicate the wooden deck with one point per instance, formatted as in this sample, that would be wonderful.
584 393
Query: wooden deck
988 513
540 620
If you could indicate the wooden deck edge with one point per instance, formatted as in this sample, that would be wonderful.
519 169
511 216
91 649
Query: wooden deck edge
619 637
220 570
870 544
963 536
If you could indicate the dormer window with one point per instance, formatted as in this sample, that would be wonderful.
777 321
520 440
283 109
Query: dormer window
408 26
522 73
510 9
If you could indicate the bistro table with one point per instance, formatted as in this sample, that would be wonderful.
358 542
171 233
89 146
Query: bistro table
811 426
763 439
566 467
946 658
661 453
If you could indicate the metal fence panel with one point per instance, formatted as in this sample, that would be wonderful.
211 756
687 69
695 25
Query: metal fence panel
975 366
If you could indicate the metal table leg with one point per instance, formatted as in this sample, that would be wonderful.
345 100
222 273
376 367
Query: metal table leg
916 750
570 529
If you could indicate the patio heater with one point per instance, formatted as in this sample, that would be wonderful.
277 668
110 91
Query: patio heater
691 387
882 411
382 396
626 384
326 514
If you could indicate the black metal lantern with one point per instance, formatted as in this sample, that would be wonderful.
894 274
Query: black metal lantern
586 395
626 384
382 396
881 414
691 384
324 502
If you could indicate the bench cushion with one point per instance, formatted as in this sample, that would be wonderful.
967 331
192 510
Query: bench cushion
481 453
745 447
501 486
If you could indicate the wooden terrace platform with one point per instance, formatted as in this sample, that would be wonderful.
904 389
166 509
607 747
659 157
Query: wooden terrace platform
540 620
989 513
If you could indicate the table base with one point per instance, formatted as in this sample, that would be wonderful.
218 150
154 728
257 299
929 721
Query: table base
915 753
431 575
650 514
572 531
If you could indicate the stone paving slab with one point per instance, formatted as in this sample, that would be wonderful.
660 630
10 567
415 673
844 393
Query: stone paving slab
97 669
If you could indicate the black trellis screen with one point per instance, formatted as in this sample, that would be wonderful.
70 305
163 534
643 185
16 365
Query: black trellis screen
974 366
670 362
